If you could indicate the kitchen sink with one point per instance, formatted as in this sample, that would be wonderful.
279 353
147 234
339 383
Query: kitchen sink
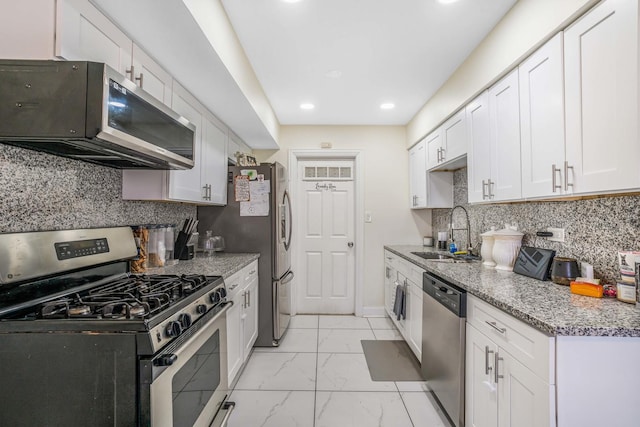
432 255
439 257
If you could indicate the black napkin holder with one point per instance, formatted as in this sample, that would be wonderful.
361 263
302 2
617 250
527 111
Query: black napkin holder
534 262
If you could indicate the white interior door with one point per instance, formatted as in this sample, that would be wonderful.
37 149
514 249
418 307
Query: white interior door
326 282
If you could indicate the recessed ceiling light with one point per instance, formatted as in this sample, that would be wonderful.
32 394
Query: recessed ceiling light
307 106
334 74
447 1
387 106
291 1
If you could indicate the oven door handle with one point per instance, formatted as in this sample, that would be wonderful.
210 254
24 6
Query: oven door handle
228 407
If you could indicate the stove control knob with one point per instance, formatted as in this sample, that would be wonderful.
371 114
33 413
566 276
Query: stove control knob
185 320
173 329
215 297
165 360
201 309
223 292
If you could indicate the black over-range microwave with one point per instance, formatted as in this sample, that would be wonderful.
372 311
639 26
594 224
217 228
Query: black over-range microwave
88 111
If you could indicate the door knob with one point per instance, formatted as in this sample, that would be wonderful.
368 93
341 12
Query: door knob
350 244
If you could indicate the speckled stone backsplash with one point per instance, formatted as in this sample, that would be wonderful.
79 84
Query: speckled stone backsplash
39 191
595 229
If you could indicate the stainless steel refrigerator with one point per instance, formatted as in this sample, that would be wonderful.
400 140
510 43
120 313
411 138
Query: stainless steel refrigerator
261 224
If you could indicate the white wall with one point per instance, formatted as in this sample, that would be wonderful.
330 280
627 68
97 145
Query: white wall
386 189
522 30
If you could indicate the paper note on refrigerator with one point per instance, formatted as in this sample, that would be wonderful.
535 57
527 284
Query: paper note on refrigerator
257 206
259 187
242 189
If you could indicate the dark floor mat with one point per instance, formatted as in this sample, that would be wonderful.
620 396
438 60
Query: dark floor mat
391 361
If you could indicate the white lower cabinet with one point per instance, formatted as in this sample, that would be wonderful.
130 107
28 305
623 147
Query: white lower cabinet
414 317
400 272
510 371
242 317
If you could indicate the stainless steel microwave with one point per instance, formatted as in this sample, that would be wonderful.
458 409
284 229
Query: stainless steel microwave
88 111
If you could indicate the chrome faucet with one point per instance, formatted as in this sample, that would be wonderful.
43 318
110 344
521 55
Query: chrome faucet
451 229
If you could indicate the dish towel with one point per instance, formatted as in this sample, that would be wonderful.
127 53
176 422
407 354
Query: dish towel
399 308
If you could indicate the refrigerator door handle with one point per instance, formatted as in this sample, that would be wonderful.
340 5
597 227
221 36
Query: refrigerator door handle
286 200
288 276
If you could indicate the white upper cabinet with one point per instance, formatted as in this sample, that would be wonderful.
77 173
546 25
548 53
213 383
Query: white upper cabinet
504 118
185 185
83 33
454 137
418 176
447 143
206 182
542 121
147 74
433 142
478 149
214 156
428 189
601 95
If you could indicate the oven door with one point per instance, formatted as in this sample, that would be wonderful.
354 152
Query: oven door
190 383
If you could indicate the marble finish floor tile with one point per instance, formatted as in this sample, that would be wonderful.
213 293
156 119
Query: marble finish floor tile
343 322
361 409
272 409
413 386
347 372
279 371
342 340
423 410
387 334
295 341
304 321
381 323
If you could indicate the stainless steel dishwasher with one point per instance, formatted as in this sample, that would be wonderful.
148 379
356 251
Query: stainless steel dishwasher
444 310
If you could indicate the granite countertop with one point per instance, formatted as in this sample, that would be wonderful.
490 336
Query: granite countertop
223 264
549 307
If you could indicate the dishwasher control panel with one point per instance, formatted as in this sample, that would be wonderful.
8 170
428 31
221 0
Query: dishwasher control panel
447 294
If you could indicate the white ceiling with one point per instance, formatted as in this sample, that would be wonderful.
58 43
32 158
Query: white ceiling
398 51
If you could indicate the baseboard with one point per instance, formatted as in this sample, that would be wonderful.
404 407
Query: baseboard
374 312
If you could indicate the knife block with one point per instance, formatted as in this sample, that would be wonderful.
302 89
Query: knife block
180 250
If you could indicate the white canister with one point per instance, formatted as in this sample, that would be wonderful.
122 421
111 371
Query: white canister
506 245
486 251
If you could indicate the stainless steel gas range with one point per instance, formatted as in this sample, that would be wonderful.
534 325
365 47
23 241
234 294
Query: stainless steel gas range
83 342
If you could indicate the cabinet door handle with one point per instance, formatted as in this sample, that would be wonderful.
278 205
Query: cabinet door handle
489 184
496 362
388 272
130 72
495 326
244 300
555 170
442 153
140 79
487 368
248 298
484 193
567 184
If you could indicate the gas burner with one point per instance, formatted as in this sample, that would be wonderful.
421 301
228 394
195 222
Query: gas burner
79 310
137 311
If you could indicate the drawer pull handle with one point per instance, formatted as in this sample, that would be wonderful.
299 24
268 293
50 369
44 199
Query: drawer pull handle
494 326
252 272
233 287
